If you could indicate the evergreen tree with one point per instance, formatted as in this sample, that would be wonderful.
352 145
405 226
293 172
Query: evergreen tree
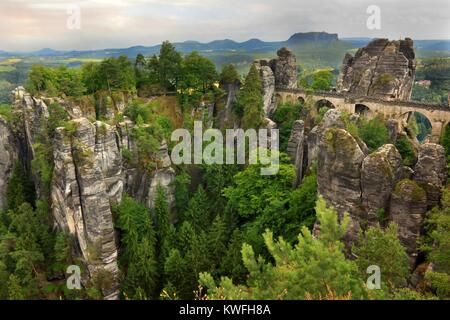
197 73
15 291
169 63
314 268
198 211
175 271
232 265
251 100
382 248
138 257
181 186
436 243
217 239
20 188
229 74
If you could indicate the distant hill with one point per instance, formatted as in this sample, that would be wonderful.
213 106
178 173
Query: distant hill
189 46
313 50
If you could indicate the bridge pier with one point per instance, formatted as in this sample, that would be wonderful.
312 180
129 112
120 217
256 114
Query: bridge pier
436 131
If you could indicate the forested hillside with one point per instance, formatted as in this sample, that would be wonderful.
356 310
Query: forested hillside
86 179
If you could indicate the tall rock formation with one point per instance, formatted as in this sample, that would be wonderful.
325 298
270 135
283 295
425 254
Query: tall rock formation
8 158
280 72
296 148
90 175
87 180
268 85
163 176
430 171
285 69
339 175
407 209
379 173
383 69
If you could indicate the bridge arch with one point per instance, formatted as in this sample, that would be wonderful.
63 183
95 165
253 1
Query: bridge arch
323 103
363 110
301 100
419 125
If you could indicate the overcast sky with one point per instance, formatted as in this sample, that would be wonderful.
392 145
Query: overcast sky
35 24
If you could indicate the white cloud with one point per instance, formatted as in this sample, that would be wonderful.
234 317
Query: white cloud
33 24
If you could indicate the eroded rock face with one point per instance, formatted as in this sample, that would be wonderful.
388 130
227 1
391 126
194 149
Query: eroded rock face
295 148
430 171
379 173
163 176
339 175
407 209
383 69
268 85
8 158
280 72
331 119
87 180
285 69
393 129
225 116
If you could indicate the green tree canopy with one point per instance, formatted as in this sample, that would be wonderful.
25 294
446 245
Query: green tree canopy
251 100
313 268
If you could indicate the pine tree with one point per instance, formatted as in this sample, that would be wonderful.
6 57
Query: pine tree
138 257
175 275
436 243
313 268
198 211
20 188
15 291
181 185
382 248
162 223
232 265
217 237
251 100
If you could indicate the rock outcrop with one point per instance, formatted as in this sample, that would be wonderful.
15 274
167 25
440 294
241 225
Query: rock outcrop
285 69
163 176
87 180
295 149
383 69
280 72
430 171
339 175
407 209
376 188
379 173
90 175
268 85
8 158
232 90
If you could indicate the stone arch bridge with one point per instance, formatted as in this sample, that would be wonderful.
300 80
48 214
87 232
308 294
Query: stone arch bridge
438 115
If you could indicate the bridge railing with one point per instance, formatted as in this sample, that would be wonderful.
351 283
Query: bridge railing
352 98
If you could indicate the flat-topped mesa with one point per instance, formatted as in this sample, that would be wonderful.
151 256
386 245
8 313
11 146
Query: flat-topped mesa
383 69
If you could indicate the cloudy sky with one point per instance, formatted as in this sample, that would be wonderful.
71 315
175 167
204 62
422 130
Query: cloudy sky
35 24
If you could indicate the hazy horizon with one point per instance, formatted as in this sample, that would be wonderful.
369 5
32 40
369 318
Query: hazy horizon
29 25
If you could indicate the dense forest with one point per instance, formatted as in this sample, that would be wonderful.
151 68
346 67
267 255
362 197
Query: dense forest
230 232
